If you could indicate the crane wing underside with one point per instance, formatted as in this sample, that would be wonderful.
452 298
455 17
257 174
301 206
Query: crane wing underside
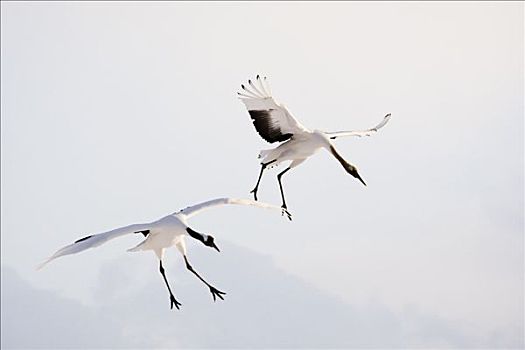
96 240
359 133
271 120
194 209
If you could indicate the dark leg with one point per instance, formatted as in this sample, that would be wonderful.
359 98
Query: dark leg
213 290
263 166
172 298
285 209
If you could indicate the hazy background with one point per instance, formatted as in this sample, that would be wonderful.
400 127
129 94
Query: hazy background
117 113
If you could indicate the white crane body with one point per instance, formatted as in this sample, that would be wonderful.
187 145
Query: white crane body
168 231
275 123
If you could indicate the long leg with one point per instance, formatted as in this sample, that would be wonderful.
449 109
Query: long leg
214 291
263 166
172 298
282 193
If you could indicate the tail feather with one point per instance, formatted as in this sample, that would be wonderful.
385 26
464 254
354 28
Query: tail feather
264 153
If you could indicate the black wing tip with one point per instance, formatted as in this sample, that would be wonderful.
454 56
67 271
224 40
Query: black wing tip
258 77
83 239
262 122
144 232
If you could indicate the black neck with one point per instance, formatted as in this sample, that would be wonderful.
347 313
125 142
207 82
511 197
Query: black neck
195 234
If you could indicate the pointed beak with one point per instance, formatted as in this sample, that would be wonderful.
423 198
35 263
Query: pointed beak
359 177
215 247
355 174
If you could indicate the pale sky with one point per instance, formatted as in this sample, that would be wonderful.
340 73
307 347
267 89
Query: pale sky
117 113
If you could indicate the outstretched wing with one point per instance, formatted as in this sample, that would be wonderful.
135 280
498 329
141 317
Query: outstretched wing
194 209
359 133
271 120
96 240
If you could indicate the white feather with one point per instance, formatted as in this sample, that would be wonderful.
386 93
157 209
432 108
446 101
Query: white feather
163 232
360 133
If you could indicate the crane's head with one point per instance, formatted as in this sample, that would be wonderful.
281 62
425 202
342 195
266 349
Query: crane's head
207 240
210 242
